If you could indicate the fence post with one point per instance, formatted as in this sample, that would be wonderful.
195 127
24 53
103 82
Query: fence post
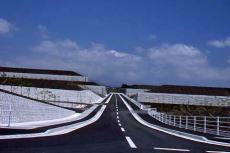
218 126
194 123
205 124
180 121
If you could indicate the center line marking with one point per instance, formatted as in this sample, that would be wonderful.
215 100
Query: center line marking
131 143
171 149
117 117
119 124
122 129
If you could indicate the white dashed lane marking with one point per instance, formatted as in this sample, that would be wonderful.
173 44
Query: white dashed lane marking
131 143
122 129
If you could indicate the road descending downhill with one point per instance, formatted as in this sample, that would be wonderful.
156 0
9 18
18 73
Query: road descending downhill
116 131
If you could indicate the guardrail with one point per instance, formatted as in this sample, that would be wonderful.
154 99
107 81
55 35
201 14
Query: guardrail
134 101
212 125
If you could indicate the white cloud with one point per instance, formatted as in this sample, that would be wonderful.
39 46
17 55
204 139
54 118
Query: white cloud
185 62
220 43
5 26
178 62
177 55
94 60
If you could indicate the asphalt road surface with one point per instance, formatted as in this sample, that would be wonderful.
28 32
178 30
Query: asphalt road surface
116 131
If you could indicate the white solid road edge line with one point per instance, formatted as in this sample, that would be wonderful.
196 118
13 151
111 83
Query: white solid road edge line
108 99
223 138
60 132
131 143
171 149
218 151
140 120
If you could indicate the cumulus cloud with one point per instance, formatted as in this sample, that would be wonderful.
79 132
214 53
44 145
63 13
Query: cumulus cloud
58 48
185 62
5 26
95 60
220 43
177 62
177 55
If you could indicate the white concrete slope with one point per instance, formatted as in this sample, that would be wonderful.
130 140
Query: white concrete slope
75 117
172 132
15 110
54 95
60 130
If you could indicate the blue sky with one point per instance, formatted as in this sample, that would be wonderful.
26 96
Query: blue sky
114 42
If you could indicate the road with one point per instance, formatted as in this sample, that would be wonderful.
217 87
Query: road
116 131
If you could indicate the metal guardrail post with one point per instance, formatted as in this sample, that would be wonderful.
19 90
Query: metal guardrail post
205 124
218 126
170 120
174 121
186 124
164 118
167 119
194 123
180 121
